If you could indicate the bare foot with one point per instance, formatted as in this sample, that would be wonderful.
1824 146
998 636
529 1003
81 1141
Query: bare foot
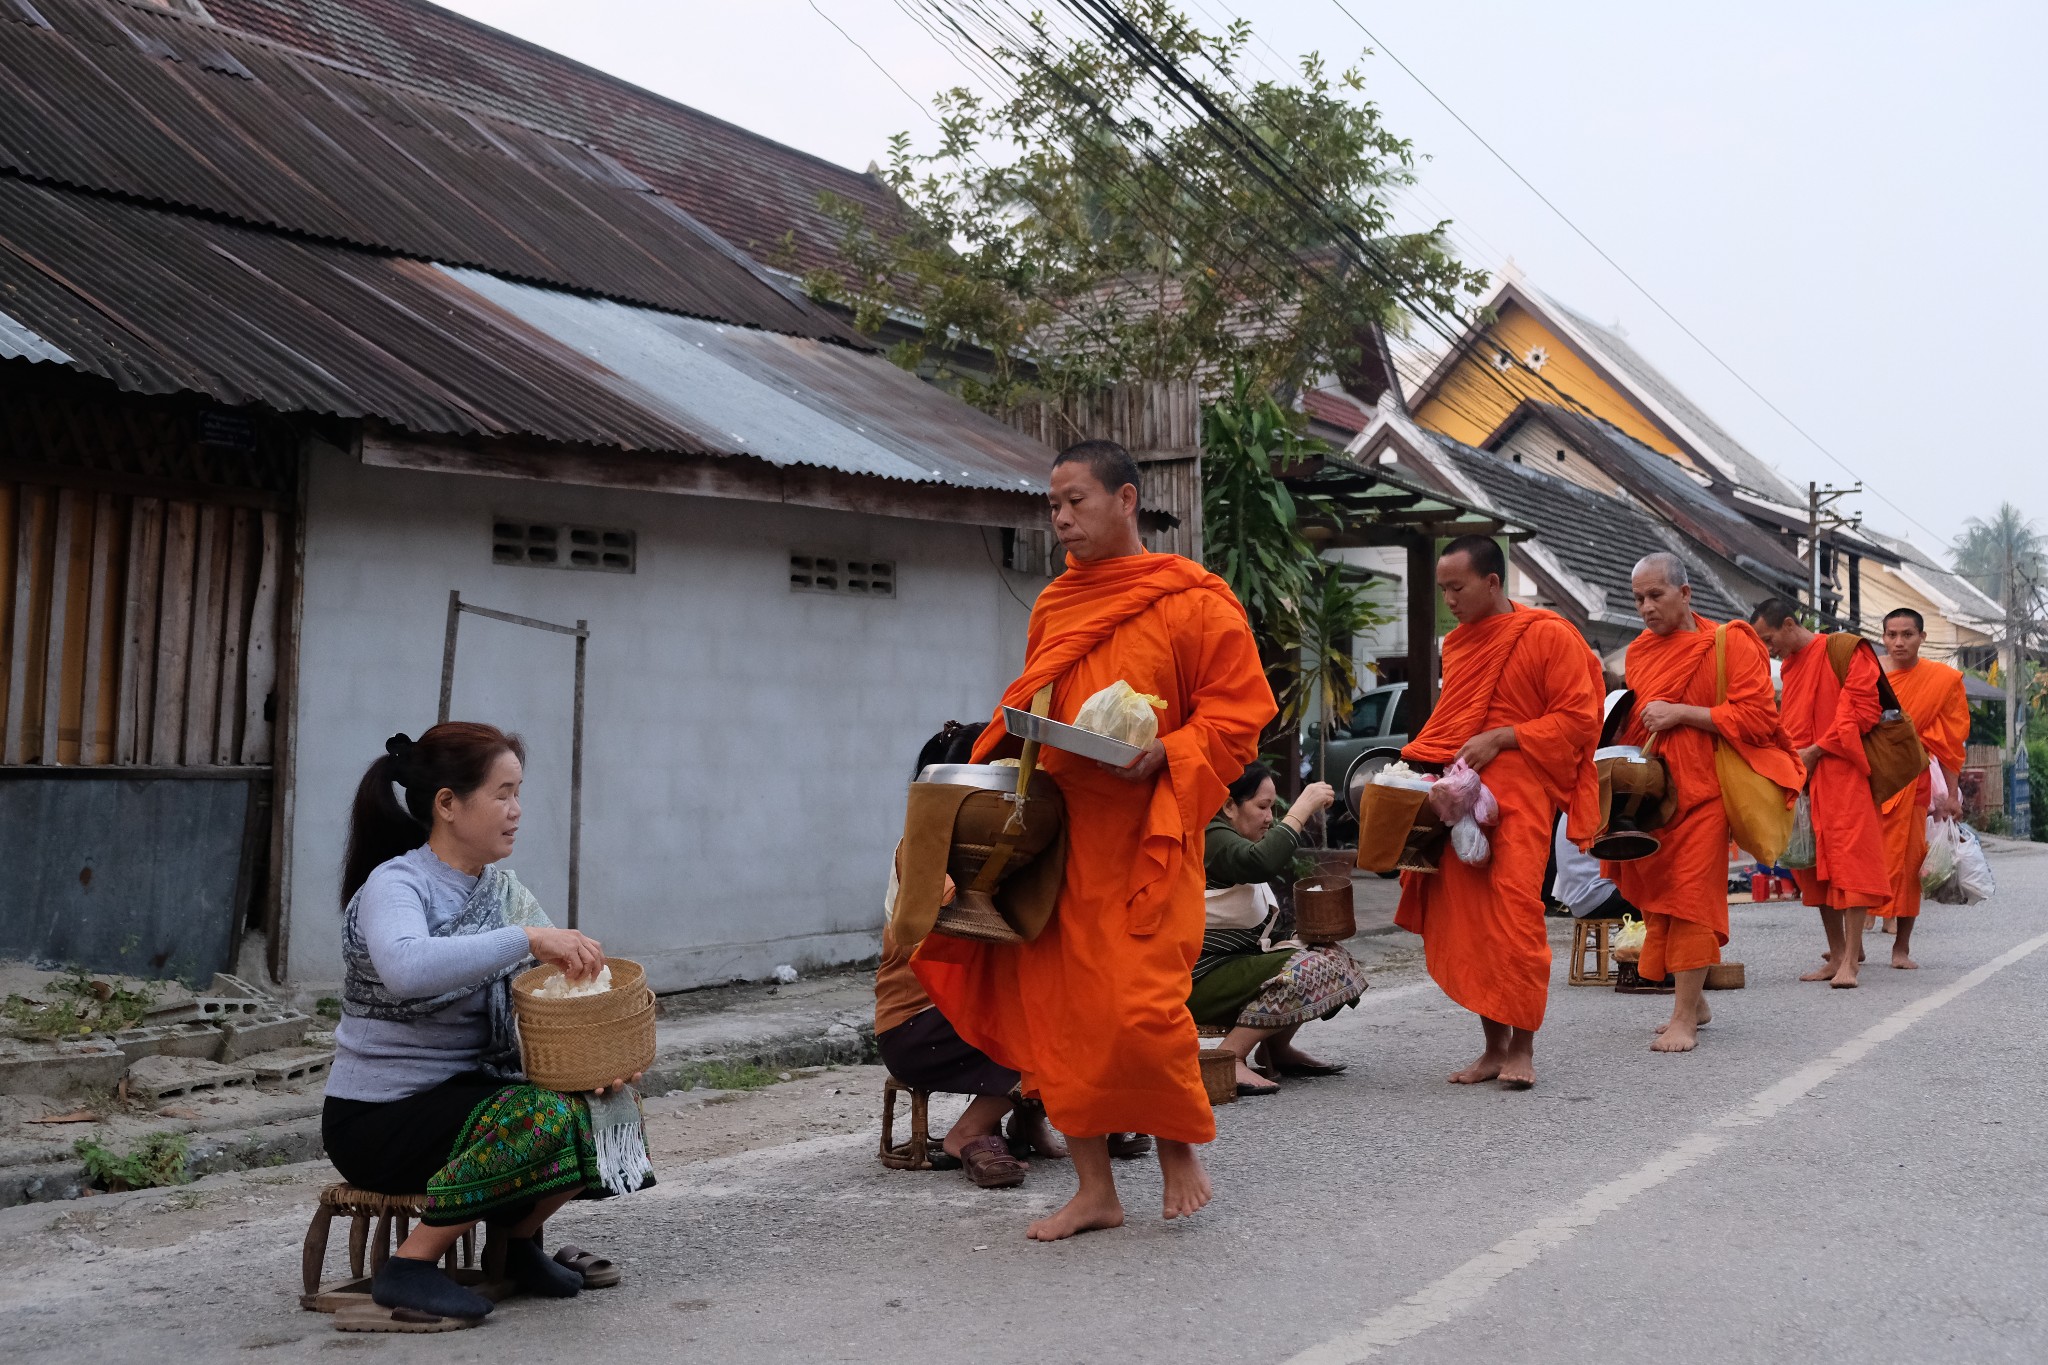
1079 1214
1487 1068
1187 1184
1845 979
1704 1017
1677 1035
1824 972
1247 1076
1517 1073
1904 963
1045 1139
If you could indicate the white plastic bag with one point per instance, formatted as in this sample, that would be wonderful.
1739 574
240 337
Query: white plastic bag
1940 864
1122 712
1973 869
1465 804
1399 774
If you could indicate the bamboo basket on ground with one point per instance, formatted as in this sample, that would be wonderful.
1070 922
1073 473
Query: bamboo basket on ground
1219 1075
586 1041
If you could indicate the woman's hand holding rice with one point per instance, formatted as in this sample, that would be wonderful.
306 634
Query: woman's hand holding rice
577 954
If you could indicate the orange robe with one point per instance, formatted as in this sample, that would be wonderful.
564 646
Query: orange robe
1482 927
1932 694
1682 888
1818 709
1094 1012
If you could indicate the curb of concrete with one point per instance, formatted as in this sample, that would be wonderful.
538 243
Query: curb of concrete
281 1141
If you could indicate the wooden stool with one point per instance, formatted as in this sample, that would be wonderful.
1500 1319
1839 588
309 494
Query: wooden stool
1595 936
393 1215
914 1155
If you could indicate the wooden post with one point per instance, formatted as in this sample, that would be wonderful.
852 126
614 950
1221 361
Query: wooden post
576 779
1421 631
448 656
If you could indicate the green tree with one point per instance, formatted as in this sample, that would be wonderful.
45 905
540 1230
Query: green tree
1084 230
1999 549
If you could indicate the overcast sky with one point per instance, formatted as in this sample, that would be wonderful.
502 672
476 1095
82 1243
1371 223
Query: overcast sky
1845 201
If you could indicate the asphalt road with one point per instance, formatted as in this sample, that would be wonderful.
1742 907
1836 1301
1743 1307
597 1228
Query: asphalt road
1833 1175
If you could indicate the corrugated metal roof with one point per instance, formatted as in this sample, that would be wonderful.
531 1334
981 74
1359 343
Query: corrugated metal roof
159 301
751 190
140 102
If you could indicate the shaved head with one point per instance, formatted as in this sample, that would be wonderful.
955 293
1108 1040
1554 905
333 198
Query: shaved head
1663 564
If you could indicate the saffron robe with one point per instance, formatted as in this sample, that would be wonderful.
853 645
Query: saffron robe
1094 1011
1687 877
1482 928
1932 694
1818 709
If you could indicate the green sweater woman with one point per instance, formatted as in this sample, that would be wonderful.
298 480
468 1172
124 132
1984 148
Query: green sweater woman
1260 990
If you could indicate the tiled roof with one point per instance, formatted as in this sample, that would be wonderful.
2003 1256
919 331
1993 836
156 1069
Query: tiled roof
749 189
1597 537
150 106
1724 449
1959 590
1659 482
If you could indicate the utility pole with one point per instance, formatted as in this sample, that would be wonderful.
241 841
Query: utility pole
1820 499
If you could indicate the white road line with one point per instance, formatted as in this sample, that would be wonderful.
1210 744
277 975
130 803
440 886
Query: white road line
1461 1290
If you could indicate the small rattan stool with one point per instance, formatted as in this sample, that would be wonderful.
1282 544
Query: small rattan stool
378 1226
916 1154
1594 936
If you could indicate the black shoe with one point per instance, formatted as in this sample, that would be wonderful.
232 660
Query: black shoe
536 1272
421 1286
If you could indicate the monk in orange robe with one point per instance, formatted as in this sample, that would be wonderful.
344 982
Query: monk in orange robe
1682 888
1932 694
1520 704
1094 1012
1826 719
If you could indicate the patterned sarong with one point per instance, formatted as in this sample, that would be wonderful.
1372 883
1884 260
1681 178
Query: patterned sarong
520 1145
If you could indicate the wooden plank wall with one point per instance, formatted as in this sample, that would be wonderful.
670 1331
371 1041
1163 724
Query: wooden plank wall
135 630
1160 423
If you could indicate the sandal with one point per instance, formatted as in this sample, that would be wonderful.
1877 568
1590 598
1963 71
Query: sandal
1272 1067
990 1165
1019 1125
597 1272
1127 1146
1245 1092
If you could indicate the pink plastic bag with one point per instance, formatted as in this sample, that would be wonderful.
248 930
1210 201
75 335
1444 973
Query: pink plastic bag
1465 804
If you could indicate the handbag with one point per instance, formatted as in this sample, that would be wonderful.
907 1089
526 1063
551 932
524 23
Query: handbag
1892 746
1759 810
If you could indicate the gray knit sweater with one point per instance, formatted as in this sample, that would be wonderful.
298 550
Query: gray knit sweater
403 901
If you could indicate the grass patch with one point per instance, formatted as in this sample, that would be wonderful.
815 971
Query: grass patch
734 1076
78 1003
328 1007
159 1160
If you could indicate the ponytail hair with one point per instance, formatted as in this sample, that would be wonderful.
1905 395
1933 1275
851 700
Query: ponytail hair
455 756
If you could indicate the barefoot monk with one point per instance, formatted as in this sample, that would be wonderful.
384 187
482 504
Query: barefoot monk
1683 886
1094 1012
1932 694
1826 718
1521 704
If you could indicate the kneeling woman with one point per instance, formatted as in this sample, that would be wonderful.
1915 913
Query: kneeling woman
426 1092
1262 991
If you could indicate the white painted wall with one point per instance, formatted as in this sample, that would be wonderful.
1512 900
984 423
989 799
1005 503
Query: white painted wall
746 747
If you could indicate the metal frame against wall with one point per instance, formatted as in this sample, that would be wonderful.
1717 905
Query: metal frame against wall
581 631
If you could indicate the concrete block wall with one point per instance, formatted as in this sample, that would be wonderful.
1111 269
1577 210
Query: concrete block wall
746 747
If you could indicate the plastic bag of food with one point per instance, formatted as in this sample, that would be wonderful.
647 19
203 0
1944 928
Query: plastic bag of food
1973 869
1465 804
1800 851
1121 712
1627 942
1940 863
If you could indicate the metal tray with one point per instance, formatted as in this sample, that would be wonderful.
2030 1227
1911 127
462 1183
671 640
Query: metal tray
1074 740
989 776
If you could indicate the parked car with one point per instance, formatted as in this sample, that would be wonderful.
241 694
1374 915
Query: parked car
1379 720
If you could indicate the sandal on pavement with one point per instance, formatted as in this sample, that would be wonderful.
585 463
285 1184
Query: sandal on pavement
1245 1092
1272 1067
597 1272
990 1165
1127 1146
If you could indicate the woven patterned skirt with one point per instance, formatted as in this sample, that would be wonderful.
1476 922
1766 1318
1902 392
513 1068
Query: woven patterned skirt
1278 989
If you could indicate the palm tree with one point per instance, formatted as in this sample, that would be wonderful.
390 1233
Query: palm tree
1992 550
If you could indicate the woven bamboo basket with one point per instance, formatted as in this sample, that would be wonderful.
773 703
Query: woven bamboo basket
1219 1075
629 978
587 1041
1726 976
1323 910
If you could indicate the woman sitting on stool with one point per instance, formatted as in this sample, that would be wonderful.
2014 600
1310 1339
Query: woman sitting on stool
426 1092
1263 992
